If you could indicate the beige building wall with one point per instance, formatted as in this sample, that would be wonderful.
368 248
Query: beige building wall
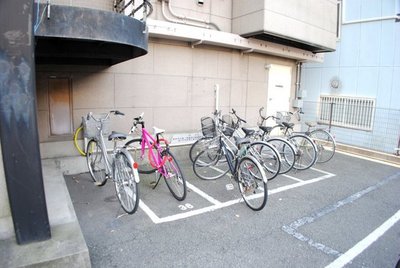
173 85
106 5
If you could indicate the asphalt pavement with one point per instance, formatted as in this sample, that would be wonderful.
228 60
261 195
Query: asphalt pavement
342 213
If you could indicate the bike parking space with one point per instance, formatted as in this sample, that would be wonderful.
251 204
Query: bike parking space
312 217
206 196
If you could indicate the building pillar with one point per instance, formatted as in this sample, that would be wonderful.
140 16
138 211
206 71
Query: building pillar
18 122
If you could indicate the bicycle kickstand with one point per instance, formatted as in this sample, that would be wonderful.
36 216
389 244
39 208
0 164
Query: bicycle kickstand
158 180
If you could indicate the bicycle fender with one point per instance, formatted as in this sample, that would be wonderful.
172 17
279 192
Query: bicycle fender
131 162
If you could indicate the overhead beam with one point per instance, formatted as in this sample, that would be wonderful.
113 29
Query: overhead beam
175 31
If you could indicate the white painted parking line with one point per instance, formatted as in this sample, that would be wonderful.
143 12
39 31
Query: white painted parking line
218 205
349 255
302 182
292 228
370 159
202 194
291 177
149 212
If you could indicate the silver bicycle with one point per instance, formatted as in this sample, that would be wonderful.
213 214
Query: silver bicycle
117 166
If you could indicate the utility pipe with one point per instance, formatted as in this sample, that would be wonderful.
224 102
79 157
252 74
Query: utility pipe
184 19
394 17
298 79
397 18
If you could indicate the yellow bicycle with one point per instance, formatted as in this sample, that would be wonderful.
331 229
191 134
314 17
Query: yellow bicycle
77 143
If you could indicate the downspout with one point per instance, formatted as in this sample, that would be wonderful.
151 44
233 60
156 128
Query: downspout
184 19
298 80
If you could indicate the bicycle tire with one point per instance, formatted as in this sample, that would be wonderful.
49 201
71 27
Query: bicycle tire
210 165
267 156
134 147
306 151
286 152
326 144
175 180
126 187
252 182
96 163
198 147
76 141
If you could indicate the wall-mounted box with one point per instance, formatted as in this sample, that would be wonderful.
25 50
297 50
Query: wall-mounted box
296 103
310 25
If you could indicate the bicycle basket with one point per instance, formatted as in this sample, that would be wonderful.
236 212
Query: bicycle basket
91 127
208 126
282 117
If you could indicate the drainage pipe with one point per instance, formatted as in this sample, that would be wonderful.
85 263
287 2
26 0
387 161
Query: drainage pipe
298 79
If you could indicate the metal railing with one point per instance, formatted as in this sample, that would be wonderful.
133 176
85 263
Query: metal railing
383 136
138 9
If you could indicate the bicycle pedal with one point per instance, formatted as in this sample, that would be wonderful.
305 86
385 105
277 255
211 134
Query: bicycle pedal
170 175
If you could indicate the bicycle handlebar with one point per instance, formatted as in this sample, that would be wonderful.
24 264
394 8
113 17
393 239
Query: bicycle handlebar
265 118
297 113
90 115
240 119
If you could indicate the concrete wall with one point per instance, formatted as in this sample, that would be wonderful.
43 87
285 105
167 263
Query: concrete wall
173 85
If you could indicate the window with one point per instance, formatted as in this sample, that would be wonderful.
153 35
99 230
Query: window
350 112
59 96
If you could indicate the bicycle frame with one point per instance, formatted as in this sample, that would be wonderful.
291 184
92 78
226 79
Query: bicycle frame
107 158
228 153
148 141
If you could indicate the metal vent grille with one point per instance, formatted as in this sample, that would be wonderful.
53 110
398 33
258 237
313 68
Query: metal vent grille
349 112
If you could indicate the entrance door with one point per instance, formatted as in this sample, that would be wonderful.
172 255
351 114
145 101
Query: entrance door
278 98
60 106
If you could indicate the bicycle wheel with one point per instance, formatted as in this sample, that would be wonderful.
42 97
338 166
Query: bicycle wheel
125 184
96 163
326 144
134 147
173 176
252 183
286 152
306 151
76 141
267 156
199 146
210 164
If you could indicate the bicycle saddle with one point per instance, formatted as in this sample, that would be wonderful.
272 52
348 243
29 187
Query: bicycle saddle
116 135
311 124
288 125
158 130
266 129
248 131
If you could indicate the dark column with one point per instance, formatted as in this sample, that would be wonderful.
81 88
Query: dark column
18 125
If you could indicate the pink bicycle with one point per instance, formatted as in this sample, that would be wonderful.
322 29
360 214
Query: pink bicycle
159 158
